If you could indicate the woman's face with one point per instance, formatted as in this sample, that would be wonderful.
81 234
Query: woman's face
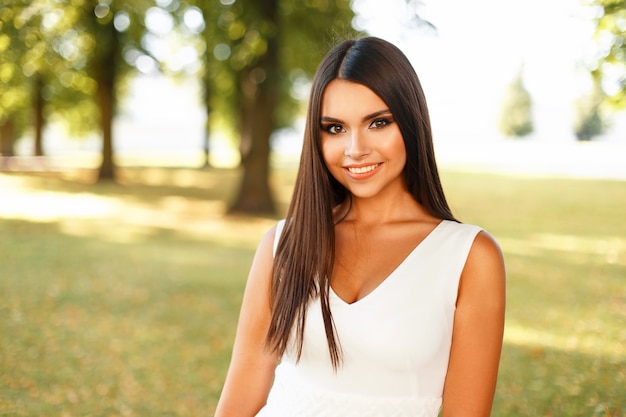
361 142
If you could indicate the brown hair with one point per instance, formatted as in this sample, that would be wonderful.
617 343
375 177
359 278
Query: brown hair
305 254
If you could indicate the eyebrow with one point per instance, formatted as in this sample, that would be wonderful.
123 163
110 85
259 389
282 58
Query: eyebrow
365 118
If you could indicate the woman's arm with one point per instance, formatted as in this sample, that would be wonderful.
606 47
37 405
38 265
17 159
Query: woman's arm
477 334
252 367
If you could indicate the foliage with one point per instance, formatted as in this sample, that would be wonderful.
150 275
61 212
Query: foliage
122 301
233 36
588 120
611 35
46 47
516 112
76 55
256 56
13 96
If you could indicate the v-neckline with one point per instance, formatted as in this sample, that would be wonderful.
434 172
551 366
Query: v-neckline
393 272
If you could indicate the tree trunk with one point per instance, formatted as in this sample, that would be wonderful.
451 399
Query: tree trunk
106 100
38 105
259 90
207 127
106 72
7 138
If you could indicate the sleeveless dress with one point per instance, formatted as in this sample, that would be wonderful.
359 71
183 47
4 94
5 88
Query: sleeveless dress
395 341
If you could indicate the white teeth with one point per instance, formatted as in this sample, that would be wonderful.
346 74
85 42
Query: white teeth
363 170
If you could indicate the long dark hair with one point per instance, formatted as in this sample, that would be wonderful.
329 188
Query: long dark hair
305 254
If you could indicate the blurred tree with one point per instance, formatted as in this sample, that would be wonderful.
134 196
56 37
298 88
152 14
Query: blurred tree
13 97
43 56
116 35
70 56
588 118
611 34
516 112
256 54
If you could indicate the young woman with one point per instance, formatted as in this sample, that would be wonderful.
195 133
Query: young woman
370 299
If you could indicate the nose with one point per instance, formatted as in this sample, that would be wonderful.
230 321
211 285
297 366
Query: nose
356 146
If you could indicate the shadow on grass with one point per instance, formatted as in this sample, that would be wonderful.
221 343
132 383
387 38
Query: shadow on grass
540 381
150 185
94 327
564 338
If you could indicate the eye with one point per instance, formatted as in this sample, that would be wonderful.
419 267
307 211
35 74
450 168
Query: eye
333 129
380 123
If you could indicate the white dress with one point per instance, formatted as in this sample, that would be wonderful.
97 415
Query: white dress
395 341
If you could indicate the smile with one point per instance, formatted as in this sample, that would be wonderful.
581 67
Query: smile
363 170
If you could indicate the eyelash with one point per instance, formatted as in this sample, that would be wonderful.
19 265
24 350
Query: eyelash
331 129
379 123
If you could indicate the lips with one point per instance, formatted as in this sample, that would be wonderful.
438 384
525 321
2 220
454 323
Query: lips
362 172
363 169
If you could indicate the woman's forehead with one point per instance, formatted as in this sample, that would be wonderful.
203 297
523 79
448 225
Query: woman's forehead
343 98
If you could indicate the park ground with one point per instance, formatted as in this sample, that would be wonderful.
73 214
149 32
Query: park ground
121 299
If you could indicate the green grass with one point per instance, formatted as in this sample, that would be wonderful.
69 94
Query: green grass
122 300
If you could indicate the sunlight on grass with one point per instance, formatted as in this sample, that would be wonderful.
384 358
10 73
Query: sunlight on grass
122 299
582 339
125 218
609 249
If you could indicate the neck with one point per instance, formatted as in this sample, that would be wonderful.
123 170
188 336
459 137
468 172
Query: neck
401 207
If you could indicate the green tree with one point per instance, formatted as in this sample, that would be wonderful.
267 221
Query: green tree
611 34
42 57
116 30
253 53
588 117
72 56
516 112
13 97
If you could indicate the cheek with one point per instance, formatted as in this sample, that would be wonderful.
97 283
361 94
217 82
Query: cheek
402 152
331 151
395 149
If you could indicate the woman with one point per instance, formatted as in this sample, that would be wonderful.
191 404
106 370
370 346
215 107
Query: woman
371 299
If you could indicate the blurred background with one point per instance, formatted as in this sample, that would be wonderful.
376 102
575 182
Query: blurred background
146 146
163 82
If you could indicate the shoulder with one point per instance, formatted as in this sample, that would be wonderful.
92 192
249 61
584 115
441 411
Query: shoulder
263 261
269 241
485 249
484 272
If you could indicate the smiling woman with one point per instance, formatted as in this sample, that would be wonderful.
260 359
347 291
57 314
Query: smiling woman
373 298
360 140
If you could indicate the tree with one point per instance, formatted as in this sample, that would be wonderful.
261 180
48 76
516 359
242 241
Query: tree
516 111
13 97
42 65
73 55
588 118
117 30
611 34
253 52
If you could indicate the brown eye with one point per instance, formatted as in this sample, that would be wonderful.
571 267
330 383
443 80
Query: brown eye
379 123
334 129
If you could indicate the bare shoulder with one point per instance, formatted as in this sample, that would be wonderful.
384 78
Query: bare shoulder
484 270
485 249
267 241
264 257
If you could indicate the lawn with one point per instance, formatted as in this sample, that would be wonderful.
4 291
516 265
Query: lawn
121 300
